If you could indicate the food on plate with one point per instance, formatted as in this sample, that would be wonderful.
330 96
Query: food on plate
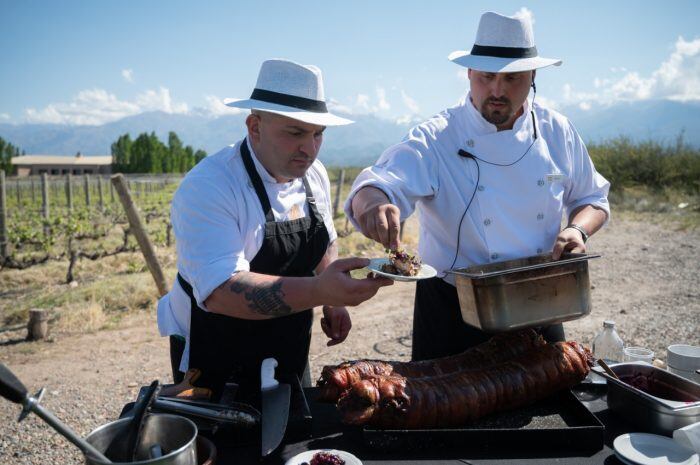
454 399
325 458
402 263
335 380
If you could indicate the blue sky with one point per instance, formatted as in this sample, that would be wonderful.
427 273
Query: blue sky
80 62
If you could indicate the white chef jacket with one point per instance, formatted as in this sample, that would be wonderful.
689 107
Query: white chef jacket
219 227
516 210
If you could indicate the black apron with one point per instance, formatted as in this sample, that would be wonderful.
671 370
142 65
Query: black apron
438 328
224 347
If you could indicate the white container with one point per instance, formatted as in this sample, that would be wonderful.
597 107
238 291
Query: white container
607 345
683 360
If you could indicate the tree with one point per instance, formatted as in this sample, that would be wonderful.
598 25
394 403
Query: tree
7 151
147 154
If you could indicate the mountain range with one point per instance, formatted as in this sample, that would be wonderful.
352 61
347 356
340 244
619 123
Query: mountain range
358 144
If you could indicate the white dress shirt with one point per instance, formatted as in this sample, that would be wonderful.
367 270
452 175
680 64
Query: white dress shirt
516 210
219 227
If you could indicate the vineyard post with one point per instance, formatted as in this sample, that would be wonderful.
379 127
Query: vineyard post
338 191
19 197
111 193
136 225
33 198
45 200
3 218
99 192
87 190
69 191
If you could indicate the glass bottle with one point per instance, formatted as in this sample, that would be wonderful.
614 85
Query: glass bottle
607 345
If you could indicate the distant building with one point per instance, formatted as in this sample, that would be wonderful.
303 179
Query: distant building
28 165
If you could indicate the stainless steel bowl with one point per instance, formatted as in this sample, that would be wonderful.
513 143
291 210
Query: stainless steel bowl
176 436
648 412
523 293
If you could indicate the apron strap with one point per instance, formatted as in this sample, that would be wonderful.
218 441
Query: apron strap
262 193
257 181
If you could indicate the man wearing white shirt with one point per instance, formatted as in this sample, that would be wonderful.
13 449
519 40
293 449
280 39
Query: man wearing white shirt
256 242
490 178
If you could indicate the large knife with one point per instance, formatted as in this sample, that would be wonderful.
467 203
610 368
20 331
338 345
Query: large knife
275 407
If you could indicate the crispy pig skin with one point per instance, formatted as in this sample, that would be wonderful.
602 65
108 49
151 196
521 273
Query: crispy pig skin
458 398
337 379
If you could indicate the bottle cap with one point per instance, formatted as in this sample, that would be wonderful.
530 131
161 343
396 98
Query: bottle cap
608 324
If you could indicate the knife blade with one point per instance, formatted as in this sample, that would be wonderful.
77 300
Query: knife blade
275 407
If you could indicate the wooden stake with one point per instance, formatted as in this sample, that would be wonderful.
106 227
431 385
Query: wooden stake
136 225
87 190
338 193
69 191
4 245
38 326
99 192
45 195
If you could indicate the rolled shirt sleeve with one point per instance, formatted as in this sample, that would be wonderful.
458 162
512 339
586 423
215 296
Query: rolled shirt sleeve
210 245
413 160
587 186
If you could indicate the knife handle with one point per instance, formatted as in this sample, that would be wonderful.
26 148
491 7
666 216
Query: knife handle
11 388
267 374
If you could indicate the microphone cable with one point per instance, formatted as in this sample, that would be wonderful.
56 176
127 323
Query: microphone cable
464 154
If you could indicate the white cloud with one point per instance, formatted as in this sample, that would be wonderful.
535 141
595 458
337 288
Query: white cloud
677 78
463 74
585 106
525 13
381 96
4 116
336 107
215 107
409 102
128 75
159 100
97 106
546 102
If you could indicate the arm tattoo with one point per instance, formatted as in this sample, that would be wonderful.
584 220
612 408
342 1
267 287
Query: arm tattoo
262 298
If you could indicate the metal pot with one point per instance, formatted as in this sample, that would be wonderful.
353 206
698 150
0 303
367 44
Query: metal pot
526 292
175 435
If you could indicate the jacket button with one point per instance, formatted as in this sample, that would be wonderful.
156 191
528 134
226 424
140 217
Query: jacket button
540 216
494 256
540 182
481 188
487 222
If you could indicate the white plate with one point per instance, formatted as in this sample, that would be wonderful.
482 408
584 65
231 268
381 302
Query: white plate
306 457
652 449
426 271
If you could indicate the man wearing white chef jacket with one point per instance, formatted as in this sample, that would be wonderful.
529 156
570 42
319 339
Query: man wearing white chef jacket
490 178
256 243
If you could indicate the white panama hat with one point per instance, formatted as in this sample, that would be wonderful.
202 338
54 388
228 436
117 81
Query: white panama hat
292 90
503 44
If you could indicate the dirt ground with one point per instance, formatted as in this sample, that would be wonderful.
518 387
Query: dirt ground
648 281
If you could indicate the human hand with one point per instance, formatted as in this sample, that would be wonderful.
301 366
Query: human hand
379 219
335 287
335 324
568 240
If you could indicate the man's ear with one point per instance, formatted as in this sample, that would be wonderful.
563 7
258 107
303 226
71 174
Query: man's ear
252 122
469 73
